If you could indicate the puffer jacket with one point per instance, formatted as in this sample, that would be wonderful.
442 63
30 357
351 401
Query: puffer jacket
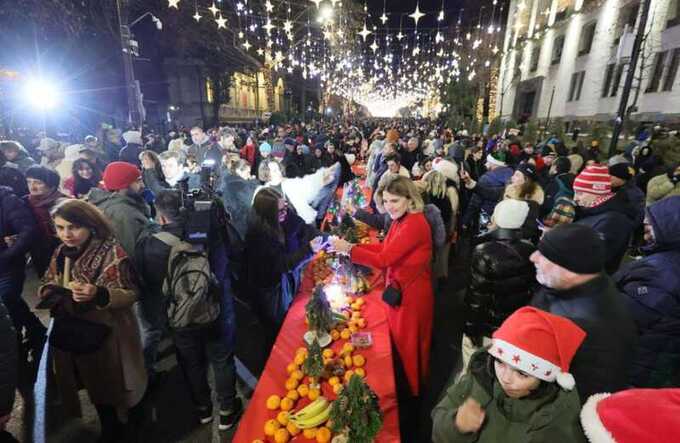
660 187
17 220
615 221
603 361
652 289
502 279
129 216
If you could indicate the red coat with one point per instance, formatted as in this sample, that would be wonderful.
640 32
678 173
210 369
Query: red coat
406 255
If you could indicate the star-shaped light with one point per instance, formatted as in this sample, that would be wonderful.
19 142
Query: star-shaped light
268 26
440 17
268 6
221 22
214 9
417 15
247 45
197 16
374 46
365 32
173 4
260 52
287 26
340 33
317 2
400 36
438 38
383 18
416 50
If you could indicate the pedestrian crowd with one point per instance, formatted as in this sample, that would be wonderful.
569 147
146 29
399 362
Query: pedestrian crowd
571 304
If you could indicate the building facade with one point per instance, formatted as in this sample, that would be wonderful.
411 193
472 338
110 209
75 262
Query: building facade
568 59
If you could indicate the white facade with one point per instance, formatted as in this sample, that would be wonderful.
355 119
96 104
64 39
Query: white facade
584 76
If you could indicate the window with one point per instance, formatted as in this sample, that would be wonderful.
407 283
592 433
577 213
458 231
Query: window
608 76
558 46
673 14
576 85
617 80
535 53
627 18
587 36
209 90
657 70
672 70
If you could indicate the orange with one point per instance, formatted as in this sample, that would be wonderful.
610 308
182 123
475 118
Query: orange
259 440
348 361
270 427
299 359
356 315
291 367
282 418
348 375
345 334
353 328
313 394
333 381
303 390
281 436
323 435
297 375
337 389
293 395
328 353
292 429
361 323
273 402
287 404
300 351
335 334
347 348
309 434
360 372
360 301
291 383
359 360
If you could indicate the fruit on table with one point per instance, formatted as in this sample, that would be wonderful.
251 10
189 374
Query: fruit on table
293 430
291 368
309 433
313 415
314 394
337 388
359 360
291 383
345 334
323 435
273 402
333 381
281 436
361 372
348 361
287 404
300 359
282 418
293 394
347 348
328 353
303 390
270 427
297 375
348 375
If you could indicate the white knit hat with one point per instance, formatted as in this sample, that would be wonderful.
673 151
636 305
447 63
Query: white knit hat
510 213
448 168
133 137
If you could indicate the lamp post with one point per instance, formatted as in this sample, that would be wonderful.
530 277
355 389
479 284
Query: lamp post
132 89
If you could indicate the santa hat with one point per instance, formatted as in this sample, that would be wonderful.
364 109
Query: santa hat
448 168
491 160
632 416
538 343
594 179
120 175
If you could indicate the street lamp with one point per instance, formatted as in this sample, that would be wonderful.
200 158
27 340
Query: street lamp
42 94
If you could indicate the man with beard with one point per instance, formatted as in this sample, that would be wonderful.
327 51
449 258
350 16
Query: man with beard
570 266
123 204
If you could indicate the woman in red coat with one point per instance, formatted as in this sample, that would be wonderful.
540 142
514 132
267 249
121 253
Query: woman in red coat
405 257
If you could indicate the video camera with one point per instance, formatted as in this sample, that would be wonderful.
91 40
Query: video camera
201 207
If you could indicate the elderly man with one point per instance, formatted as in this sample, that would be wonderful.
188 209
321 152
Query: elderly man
569 265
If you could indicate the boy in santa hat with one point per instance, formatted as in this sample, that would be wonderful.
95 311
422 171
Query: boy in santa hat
519 389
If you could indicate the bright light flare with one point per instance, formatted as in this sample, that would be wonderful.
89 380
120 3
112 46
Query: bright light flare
42 94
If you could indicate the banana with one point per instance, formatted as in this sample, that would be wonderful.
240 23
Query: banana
312 409
314 421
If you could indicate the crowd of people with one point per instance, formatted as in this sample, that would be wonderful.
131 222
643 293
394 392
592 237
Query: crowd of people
571 304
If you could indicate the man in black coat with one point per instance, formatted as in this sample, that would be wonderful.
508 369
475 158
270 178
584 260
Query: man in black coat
569 265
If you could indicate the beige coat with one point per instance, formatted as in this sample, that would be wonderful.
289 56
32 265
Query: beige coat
113 375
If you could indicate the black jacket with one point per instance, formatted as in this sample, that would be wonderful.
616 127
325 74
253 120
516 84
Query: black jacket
13 178
603 361
237 196
15 219
151 260
615 220
502 279
130 154
556 186
8 362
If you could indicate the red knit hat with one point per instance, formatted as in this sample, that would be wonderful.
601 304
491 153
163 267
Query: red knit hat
120 175
594 179
538 343
633 416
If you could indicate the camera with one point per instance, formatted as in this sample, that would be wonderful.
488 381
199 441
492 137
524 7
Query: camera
201 207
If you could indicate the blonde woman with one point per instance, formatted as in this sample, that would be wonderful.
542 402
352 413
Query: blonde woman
404 257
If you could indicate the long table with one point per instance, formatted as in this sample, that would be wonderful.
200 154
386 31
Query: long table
379 368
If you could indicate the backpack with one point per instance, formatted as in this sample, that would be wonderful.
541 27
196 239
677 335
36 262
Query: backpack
192 291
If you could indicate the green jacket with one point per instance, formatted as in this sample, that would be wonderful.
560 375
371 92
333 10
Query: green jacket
549 415
661 187
129 216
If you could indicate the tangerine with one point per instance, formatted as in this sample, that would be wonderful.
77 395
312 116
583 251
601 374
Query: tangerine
293 430
328 353
337 389
273 402
348 375
323 435
287 404
291 383
347 348
282 418
281 436
299 359
359 360
291 367
360 372
348 361
335 334
313 394
297 375
270 427
345 334
333 381
303 390
309 434
293 394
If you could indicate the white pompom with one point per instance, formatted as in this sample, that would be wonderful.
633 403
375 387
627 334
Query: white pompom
566 380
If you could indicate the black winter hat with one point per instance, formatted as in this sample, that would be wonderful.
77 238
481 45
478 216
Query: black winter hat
562 165
578 248
623 170
45 175
528 170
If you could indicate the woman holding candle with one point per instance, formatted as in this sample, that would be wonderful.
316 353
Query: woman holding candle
404 257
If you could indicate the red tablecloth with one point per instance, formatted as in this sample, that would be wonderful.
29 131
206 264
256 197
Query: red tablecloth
379 369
